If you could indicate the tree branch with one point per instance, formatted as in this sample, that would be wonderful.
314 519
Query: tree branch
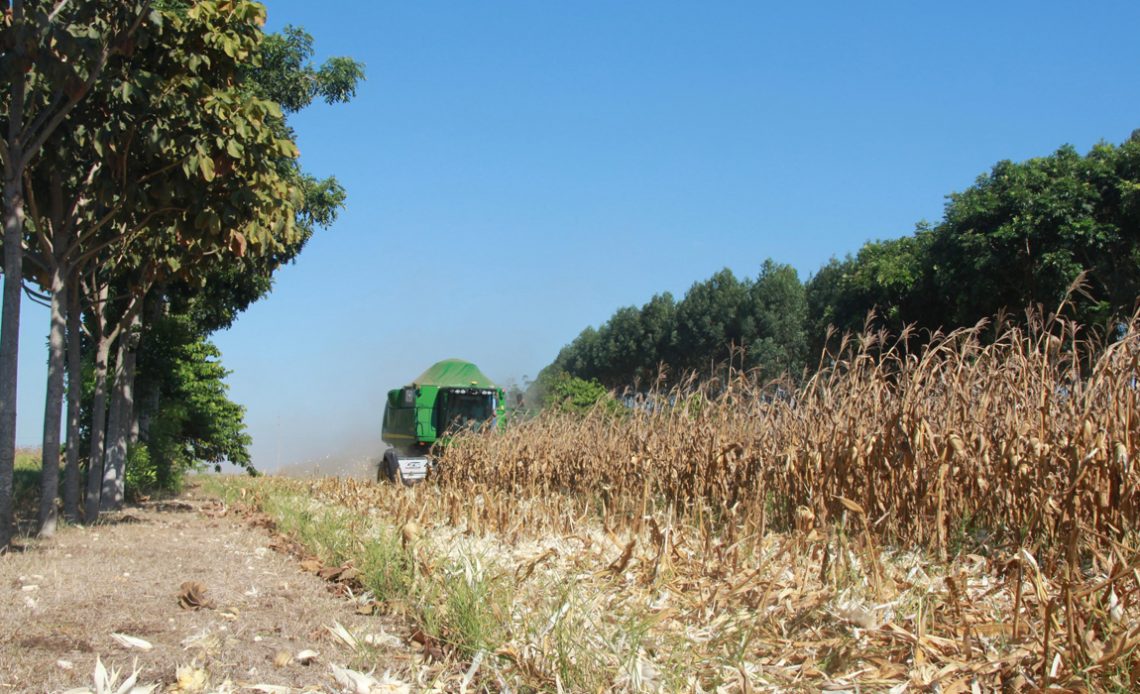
36 260
58 8
47 126
37 122
37 139
93 229
34 213
37 297
70 218
133 307
82 189
92 252
159 172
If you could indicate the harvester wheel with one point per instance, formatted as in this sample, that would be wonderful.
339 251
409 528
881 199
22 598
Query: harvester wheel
388 469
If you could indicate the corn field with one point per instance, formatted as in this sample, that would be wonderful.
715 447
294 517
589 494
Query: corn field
1028 439
957 517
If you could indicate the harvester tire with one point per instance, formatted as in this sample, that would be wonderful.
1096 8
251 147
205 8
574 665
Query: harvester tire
386 471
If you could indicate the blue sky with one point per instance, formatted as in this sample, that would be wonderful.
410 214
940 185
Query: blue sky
517 171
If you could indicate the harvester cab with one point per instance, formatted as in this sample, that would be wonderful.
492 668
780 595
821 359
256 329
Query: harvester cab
452 394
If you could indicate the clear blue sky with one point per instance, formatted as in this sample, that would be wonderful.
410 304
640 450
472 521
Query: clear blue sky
517 171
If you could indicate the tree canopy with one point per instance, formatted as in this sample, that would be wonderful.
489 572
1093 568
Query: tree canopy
149 145
762 320
1019 237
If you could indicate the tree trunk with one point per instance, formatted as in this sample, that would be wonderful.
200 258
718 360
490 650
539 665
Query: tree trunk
119 425
10 342
13 212
111 465
150 397
98 412
74 400
53 405
132 420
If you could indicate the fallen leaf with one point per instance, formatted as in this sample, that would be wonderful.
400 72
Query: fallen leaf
132 642
341 633
619 564
205 641
430 646
282 658
311 565
307 656
192 596
349 573
108 682
190 679
365 683
383 639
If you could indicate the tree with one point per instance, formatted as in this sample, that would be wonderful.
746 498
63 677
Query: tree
174 166
285 74
51 55
578 395
778 305
194 179
1020 236
252 200
1023 233
620 356
658 335
711 319
197 423
893 279
215 295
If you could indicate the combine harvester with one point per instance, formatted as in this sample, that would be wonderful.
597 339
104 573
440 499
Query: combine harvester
452 394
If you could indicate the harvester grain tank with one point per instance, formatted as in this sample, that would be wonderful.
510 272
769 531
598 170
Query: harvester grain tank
451 394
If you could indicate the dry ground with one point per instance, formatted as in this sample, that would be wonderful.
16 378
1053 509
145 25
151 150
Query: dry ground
63 599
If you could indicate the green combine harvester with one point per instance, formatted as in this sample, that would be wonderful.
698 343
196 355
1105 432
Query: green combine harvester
452 394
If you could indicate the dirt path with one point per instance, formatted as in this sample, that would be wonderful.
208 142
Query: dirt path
62 600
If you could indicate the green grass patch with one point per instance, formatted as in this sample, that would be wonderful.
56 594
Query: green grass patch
478 606
26 487
389 571
464 598
457 603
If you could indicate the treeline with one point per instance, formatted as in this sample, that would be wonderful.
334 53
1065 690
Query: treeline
151 189
1021 236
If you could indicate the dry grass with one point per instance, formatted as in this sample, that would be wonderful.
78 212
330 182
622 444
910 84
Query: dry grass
955 517
65 599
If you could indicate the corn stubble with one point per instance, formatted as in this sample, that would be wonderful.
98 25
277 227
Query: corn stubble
962 516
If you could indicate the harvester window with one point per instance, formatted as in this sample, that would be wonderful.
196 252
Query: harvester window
464 410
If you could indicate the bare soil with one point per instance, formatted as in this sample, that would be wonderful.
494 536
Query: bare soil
62 599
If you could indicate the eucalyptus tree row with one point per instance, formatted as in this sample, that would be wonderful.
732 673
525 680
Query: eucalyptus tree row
755 323
171 179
